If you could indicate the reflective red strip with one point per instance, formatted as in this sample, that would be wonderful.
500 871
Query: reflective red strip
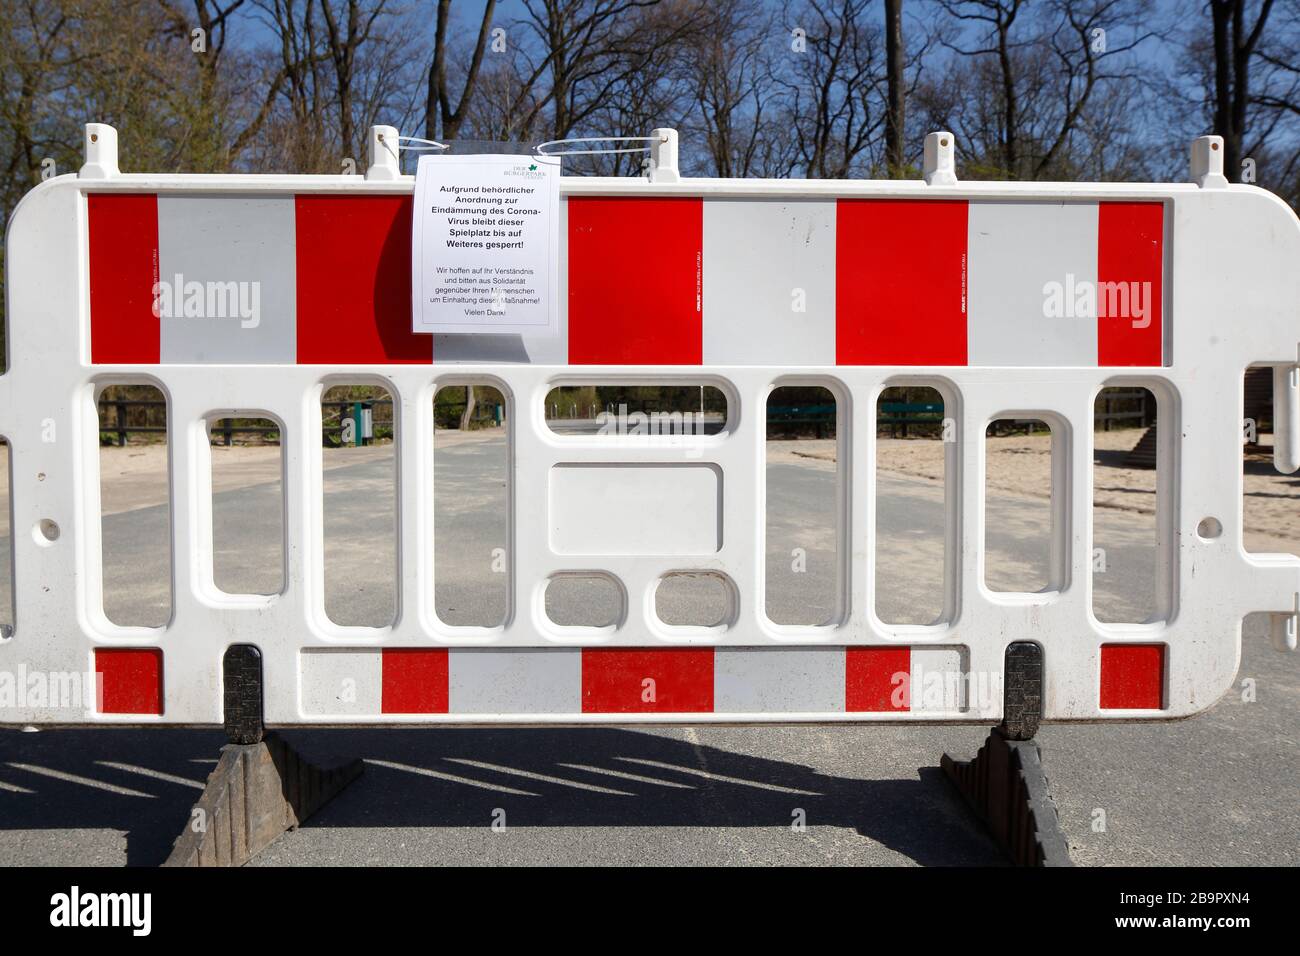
1132 676
877 679
647 680
123 243
1130 271
900 282
414 680
354 281
635 281
128 680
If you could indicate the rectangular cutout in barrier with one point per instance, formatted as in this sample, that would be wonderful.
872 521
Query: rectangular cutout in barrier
694 599
471 505
1268 503
359 505
636 509
803 475
135 505
648 411
1018 506
584 599
247 505
912 441
1125 501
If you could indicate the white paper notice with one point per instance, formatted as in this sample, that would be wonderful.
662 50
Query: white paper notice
485 244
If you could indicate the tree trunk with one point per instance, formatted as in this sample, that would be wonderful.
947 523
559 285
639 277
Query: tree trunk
437 72
894 73
1224 74
468 413
438 106
1011 139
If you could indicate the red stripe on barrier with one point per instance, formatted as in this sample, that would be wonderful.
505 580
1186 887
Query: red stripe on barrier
1130 289
647 680
123 243
877 679
900 282
1132 676
128 680
635 281
354 281
414 680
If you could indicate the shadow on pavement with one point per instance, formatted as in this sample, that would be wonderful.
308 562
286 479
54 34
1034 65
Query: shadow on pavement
144 782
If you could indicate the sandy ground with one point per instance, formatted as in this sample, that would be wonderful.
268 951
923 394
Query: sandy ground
1021 465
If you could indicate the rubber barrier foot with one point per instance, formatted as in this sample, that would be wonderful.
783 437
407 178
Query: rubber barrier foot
1005 784
257 792
1006 787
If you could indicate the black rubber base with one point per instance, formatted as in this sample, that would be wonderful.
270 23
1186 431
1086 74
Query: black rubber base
1006 787
257 792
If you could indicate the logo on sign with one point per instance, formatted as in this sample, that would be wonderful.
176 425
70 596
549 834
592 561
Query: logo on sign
530 171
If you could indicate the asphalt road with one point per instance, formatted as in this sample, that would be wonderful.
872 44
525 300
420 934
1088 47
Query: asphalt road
1217 789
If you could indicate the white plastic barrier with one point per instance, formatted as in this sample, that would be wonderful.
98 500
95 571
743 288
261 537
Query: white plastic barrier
664 280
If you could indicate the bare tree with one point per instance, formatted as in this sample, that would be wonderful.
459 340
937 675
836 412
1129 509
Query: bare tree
340 68
736 106
1022 101
440 117
1084 45
996 17
836 89
1235 44
32 58
301 127
572 61
348 25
